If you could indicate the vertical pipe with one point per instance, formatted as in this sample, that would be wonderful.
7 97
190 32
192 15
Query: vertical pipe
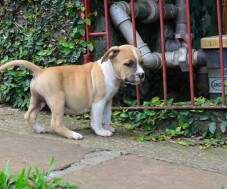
82 17
132 10
87 9
87 56
107 25
189 45
224 16
164 77
221 54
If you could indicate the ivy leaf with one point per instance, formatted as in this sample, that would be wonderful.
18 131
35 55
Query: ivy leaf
90 46
203 118
60 61
129 126
141 138
155 101
124 115
170 102
212 127
223 126
186 143
87 21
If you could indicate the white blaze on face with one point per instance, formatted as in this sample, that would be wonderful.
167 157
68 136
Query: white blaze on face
139 69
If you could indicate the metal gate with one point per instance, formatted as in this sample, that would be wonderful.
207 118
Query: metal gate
188 41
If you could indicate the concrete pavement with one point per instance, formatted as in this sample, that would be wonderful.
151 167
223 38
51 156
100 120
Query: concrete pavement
118 162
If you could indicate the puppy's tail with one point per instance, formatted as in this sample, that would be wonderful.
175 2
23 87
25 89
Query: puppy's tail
35 69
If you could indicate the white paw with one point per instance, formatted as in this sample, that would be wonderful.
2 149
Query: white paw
103 132
108 127
38 128
76 136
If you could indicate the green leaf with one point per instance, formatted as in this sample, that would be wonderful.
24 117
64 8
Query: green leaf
200 101
223 126
87 21
186 143
129 126
184 113
212 127
170 102
124 115
225 116
90 46
203 118
60 61
141 138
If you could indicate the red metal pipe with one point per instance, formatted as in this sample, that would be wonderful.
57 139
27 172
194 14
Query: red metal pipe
88 55
132 10
97 34
173 107
221 54
189 45
107 25
164 76
86 12
82 16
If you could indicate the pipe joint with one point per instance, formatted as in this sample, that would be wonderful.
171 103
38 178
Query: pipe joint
181 20
120 12
152 9
170 11
150 60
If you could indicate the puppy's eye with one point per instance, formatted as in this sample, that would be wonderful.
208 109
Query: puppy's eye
129 63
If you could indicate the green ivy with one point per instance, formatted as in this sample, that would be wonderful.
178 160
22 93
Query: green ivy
177 123
46 32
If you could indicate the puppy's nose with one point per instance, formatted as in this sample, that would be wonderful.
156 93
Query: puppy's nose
141 75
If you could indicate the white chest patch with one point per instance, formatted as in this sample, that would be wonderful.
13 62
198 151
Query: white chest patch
111 81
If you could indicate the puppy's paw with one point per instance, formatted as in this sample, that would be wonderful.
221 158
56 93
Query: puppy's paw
76 136
103 132
109 128
38 128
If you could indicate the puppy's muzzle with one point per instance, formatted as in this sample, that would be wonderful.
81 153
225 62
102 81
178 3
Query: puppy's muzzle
141 76
138 78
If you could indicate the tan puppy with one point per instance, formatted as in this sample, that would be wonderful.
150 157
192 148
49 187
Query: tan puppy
77 88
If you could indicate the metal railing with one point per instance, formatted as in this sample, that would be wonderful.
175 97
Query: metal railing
188 41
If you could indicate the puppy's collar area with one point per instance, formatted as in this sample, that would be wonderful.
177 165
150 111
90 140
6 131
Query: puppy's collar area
115 74
132 83
108 64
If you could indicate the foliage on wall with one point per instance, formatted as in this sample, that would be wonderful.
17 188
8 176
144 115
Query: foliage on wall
50 33
46 32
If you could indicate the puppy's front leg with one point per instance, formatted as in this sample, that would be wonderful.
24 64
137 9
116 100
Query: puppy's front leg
107 116
97 111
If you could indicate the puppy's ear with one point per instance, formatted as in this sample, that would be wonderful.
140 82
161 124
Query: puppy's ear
111 53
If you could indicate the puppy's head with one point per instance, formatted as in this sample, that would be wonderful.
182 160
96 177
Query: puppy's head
127 63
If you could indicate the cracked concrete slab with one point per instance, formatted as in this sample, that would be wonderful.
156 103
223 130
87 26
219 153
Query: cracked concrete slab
21 151
139 172
98 162
90 160
214 159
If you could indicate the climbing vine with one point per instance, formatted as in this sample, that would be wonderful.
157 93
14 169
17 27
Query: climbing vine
206 127
45 32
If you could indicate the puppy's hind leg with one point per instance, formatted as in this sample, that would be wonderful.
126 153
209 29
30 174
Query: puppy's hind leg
56 103
30 116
